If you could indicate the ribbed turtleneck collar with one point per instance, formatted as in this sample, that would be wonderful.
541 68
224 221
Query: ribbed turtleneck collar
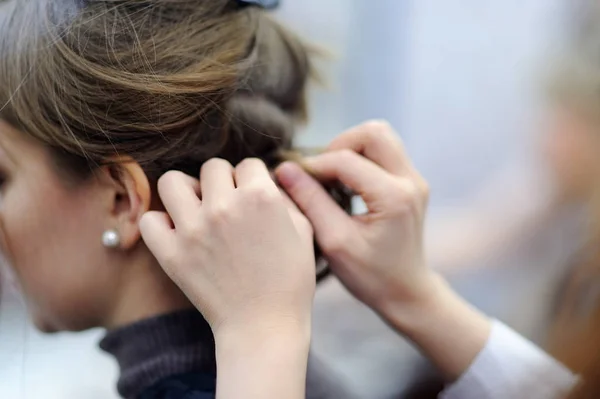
153 349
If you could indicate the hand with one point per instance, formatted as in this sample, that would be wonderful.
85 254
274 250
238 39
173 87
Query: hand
243 254
379 255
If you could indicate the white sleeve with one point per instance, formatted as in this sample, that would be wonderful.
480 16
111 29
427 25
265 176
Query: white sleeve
510 366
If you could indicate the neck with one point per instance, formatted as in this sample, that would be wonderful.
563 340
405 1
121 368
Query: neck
144 291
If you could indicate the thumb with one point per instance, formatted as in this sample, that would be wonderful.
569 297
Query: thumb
322 211
157 232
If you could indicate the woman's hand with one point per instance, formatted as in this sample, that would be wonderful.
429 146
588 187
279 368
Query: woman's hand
378 256
243 254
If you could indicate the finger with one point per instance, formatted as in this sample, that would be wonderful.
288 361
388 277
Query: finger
179 194
253 171
158 234
356 172
378 142
316 204
216 180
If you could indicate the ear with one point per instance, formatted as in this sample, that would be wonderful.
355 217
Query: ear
130 200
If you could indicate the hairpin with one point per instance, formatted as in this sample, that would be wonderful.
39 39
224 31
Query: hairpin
266 4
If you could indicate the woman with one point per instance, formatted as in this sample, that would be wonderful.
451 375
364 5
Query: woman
99 98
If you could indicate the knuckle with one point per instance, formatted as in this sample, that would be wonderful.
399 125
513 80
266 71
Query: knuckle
167 178
250 166
381 130
218 213
261 194
399 190
346 155
191 230
406 196
215 163
248 162
378 126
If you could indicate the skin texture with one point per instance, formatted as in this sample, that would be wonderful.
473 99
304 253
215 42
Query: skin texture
256 247
244 256
51 236
379 256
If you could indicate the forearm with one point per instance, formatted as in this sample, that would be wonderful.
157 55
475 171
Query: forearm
263 365
449 331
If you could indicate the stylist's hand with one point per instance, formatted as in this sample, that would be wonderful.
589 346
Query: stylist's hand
379 255
243 253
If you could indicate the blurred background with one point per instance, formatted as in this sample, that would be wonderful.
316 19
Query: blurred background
460 81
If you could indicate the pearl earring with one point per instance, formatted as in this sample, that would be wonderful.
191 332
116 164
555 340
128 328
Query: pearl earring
111 238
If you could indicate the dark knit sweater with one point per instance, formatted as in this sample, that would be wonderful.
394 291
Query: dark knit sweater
173 357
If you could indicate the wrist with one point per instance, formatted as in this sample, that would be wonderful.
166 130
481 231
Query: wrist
263 361
430 301
404 305
446 328
264 335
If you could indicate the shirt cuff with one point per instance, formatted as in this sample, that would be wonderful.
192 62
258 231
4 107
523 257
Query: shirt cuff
510 366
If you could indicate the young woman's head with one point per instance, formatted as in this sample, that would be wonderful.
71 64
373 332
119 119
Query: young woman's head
98 98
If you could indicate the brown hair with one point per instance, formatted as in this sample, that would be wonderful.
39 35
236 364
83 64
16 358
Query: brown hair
169 83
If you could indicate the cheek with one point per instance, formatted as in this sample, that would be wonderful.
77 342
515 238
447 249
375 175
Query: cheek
47 236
